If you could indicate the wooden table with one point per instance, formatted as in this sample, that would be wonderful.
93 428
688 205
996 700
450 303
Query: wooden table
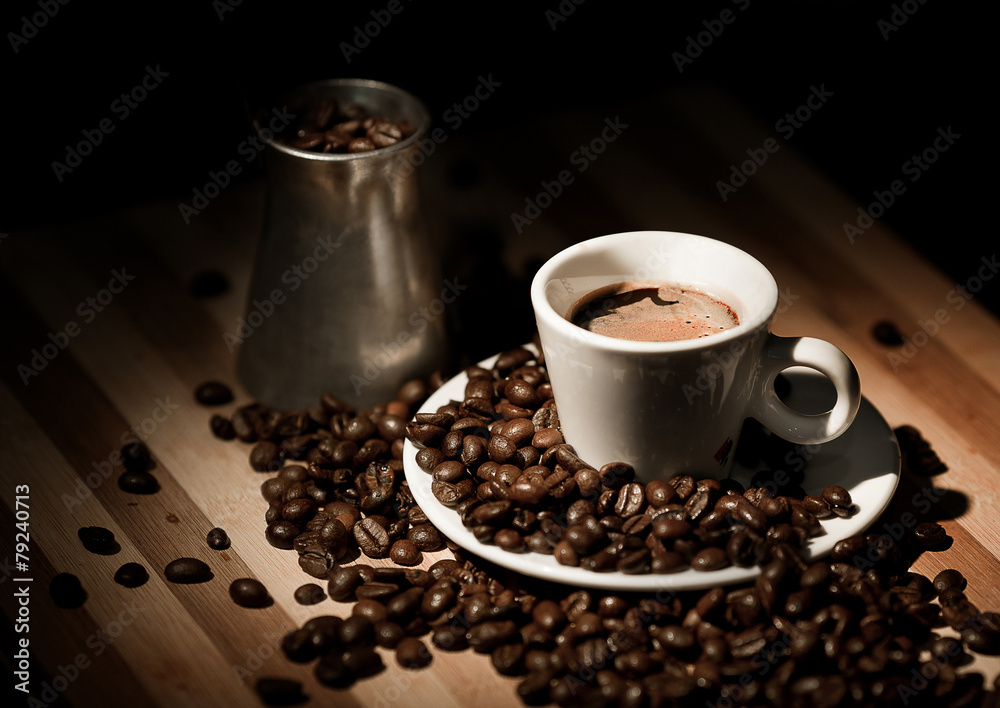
129 369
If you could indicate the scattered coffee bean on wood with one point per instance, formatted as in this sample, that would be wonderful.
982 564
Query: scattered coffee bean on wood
187 570
98 539
135 457
309 594
131 575
887 333
249 592
66 591
280 691
213 393
136 482
218 539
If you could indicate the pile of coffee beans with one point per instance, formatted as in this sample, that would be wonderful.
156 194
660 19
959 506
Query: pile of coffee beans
333 127
498 458
855 629
339 489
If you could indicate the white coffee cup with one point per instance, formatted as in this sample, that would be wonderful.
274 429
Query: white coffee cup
677 407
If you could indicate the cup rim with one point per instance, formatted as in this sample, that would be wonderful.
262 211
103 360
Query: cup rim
421 126
544 311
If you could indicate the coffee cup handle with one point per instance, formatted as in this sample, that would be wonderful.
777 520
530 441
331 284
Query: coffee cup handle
783 352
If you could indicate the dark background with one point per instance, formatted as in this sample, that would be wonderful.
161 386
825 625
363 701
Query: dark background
892 94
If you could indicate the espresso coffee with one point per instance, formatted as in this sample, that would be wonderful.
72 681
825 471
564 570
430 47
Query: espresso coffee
652 311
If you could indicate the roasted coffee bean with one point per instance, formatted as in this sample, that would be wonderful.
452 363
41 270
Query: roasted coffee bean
659 493
372 539
425 537
982 640
451 495
405 552
509 540
710 559
425 434
218 539
357 631
131 575
281 534
837 496
373 610
332 671
221 427
138 482
631 500
309 594
887 333
343 582
66 591
135 457
317 562
388 634
949 579
187 570
213 393
411 653
930 534
487 636
249 592
280 691
98 539
265 457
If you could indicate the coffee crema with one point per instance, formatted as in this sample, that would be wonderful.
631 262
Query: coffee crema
652 311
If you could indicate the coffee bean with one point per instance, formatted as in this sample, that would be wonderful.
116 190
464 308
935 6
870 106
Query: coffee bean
249 592
265 457
631 500
405 552
309 594
135 457
411 653
187 570
281 534
331 671
372 539
357 631
136 482
222 427
131 575
659 493
213 393
837 496
280 691
930 534
218 539
425 537
949 579
487 636
98 539
710 559
887 333
66 591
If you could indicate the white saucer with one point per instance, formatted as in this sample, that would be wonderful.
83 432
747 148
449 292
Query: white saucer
864 460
